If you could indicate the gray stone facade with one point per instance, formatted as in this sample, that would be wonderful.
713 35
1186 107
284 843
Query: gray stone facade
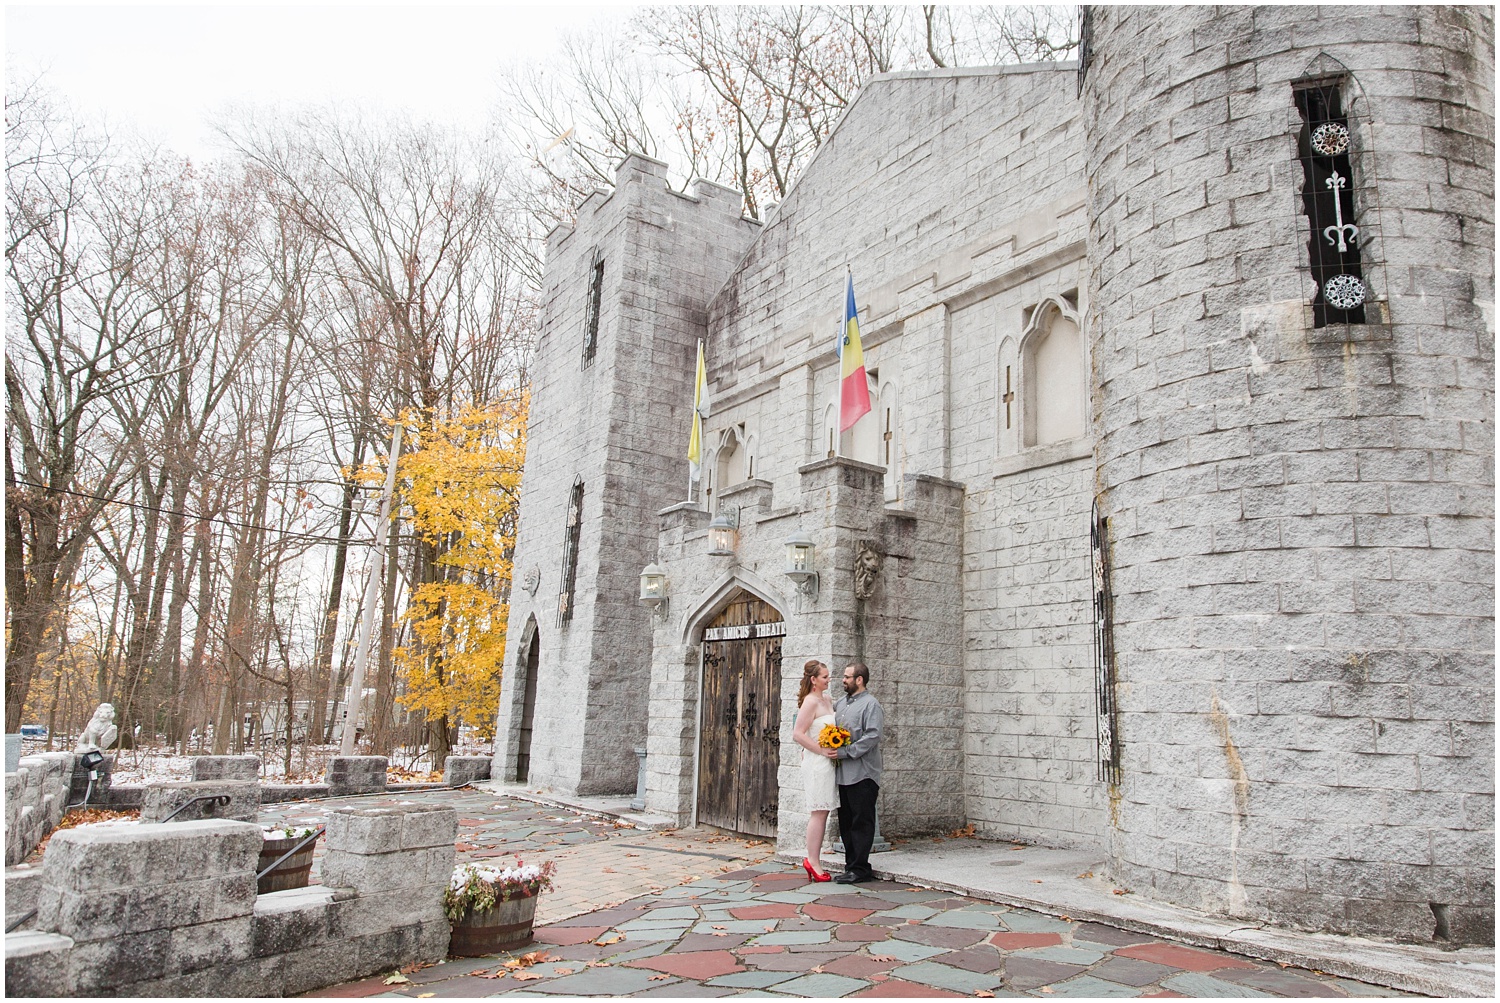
1302 518
1072 295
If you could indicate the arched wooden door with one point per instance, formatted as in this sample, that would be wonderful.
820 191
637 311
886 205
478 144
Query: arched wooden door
739 745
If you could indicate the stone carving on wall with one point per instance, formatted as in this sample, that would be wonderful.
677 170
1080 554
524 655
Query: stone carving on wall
101 731
867 564
532 581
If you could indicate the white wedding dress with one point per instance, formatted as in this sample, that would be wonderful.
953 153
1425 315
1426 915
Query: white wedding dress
817 773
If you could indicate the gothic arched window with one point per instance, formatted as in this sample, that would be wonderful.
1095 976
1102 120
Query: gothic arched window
1053 387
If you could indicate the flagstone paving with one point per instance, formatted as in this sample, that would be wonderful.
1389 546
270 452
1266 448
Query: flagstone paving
762 930
600 861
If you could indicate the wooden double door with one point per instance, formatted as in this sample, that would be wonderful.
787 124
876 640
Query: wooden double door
739 744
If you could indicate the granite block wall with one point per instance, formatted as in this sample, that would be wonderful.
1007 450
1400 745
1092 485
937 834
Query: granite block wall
171 910
1301 517
664 253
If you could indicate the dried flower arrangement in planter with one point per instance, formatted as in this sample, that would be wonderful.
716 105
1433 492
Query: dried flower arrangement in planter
294 870
493 909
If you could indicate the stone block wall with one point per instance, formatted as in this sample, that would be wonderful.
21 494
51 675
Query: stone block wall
36 795
461 770
1029 697
1302 520
347 775
171 910
610 422
161 800
226 768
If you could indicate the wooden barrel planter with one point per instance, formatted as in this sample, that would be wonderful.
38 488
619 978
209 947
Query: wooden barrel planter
291 872
504 927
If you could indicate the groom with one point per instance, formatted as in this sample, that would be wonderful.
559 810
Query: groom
859 771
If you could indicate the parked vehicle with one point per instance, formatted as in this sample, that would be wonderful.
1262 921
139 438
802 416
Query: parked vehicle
37 731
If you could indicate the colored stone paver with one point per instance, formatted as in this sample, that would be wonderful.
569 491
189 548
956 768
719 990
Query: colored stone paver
703 923
600 861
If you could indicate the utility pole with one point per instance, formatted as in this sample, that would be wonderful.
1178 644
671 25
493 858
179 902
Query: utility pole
367 617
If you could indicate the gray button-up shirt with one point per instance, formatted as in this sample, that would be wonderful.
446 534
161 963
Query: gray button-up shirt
860 759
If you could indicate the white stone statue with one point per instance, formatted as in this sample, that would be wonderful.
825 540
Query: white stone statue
101 732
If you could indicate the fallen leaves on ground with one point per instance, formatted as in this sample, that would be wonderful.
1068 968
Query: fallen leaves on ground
525 976
1046 989
84 817
882 957
816 969
718 926
416 966
597 964
984 994
396 978
606 941
465 847
1121 891
660 978
967 832
914 889
498 973
1066 919
1086 874
423 996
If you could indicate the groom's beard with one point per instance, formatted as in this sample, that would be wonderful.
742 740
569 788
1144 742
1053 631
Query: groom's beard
851 688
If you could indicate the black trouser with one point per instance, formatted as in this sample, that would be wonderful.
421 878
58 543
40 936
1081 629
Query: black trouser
857 825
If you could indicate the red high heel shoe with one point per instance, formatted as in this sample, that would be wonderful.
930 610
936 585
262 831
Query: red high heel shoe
813 874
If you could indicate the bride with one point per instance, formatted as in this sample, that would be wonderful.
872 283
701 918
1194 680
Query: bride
814 710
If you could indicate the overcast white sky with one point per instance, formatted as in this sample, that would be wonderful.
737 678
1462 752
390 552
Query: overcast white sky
165 69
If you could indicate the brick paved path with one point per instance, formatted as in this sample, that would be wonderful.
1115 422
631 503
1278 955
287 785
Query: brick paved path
763 930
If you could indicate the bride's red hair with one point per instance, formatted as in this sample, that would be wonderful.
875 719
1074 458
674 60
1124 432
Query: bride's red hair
809 673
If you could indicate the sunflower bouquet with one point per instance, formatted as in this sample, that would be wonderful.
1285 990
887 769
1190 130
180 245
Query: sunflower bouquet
833 737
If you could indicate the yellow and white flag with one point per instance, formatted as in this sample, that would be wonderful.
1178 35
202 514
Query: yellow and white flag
700 412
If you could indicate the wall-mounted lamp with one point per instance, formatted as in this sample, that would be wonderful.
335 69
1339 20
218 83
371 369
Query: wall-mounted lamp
799 564
722 532
654 589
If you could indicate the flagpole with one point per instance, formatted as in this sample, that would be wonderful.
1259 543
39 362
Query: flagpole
838 418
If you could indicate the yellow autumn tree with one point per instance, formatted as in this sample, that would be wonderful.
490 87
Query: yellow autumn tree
461 486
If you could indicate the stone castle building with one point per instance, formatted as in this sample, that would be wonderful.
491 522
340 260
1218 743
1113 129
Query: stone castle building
1170 532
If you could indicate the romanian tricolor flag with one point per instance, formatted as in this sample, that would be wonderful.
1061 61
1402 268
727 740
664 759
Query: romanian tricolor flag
854 386
700 412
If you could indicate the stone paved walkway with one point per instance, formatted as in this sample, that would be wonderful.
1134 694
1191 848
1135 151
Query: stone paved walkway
697 914
600 862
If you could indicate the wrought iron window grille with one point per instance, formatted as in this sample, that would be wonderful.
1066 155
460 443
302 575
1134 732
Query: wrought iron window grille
571 534
595 299
1333 246
1108 733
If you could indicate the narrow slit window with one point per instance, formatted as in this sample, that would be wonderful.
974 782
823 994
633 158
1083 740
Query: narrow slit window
571 533
1328 202
591 319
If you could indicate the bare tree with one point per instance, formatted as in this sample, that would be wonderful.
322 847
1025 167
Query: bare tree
83 239
742 95
431 256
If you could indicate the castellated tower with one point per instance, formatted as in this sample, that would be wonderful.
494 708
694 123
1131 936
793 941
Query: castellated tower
1292 265
612 393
